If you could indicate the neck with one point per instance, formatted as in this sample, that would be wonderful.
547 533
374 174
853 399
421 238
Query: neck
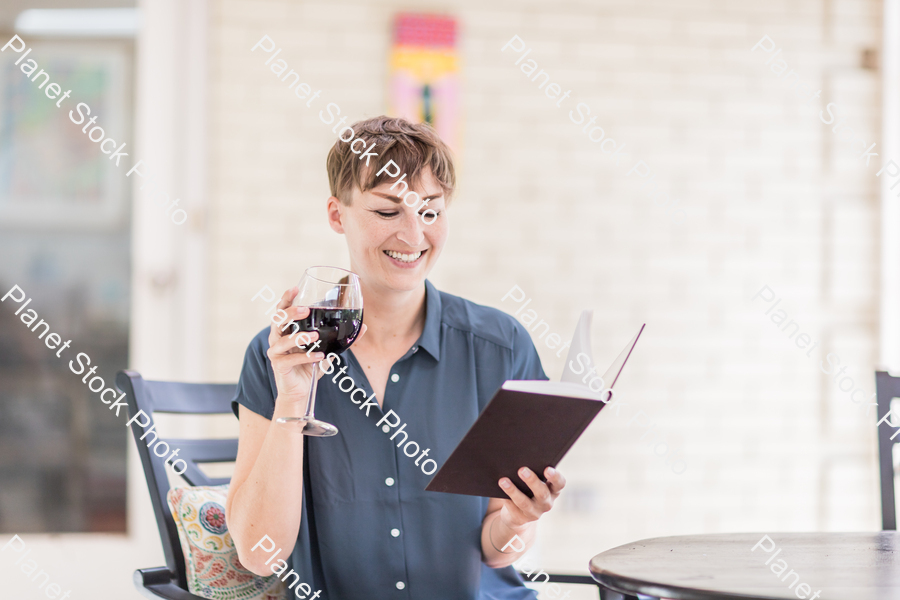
391 315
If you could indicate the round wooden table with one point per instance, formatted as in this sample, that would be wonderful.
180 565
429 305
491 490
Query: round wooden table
839 566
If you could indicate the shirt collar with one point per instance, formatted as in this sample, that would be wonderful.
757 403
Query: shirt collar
430 340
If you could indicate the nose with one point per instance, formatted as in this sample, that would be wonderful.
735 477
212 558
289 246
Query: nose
411 229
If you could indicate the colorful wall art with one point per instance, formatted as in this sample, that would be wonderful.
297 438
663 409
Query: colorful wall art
424 73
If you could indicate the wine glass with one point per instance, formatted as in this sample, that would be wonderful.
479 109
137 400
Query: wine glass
336 311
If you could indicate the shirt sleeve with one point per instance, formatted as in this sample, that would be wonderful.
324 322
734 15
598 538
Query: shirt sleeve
255 388
526 364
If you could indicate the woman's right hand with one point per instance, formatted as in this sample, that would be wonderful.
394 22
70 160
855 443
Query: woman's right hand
291 365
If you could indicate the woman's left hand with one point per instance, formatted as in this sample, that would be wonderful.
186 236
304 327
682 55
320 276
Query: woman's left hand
520 510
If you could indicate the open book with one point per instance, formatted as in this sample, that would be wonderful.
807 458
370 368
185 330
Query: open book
531 423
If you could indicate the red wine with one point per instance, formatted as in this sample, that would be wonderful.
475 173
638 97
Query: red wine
337 327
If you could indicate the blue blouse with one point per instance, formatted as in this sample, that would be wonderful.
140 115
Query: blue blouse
369 529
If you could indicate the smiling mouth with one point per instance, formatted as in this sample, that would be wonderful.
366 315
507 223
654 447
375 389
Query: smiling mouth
404 258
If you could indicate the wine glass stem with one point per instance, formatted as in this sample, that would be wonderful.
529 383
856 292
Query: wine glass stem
311 403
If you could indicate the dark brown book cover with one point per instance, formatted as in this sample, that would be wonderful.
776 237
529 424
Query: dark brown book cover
518 429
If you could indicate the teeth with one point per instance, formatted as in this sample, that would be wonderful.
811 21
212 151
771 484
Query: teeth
403 257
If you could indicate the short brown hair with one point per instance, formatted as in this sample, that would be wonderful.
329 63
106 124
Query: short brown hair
412 146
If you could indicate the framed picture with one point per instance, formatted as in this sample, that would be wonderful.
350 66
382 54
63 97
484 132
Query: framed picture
51 173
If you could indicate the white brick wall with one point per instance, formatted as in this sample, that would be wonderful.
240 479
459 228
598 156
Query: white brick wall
771 198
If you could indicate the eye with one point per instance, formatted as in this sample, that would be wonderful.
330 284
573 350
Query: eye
386 214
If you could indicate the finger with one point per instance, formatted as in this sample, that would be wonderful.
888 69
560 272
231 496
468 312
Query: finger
287 297
304 340
538 487
290 345
326 363
296 313
522 502
288 364
555 480
293 314
283 363
284 303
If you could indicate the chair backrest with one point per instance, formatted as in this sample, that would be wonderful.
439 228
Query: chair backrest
886 388
182 398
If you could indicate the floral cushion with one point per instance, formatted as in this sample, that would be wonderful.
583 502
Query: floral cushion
213 568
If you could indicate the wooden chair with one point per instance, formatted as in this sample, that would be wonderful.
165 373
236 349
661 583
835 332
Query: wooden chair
170 582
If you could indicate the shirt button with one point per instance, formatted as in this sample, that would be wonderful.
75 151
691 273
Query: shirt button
389 481
400 585
395 378
395 532
415 348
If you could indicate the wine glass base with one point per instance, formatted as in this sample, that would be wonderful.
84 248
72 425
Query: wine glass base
312 427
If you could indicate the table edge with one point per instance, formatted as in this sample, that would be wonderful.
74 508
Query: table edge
629 585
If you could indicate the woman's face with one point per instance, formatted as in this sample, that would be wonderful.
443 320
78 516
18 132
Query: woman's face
390 246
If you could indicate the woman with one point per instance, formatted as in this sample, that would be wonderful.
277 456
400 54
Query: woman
350 511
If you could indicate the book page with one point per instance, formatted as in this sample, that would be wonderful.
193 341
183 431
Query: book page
581 344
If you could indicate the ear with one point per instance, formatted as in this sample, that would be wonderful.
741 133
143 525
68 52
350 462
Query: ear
335 214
